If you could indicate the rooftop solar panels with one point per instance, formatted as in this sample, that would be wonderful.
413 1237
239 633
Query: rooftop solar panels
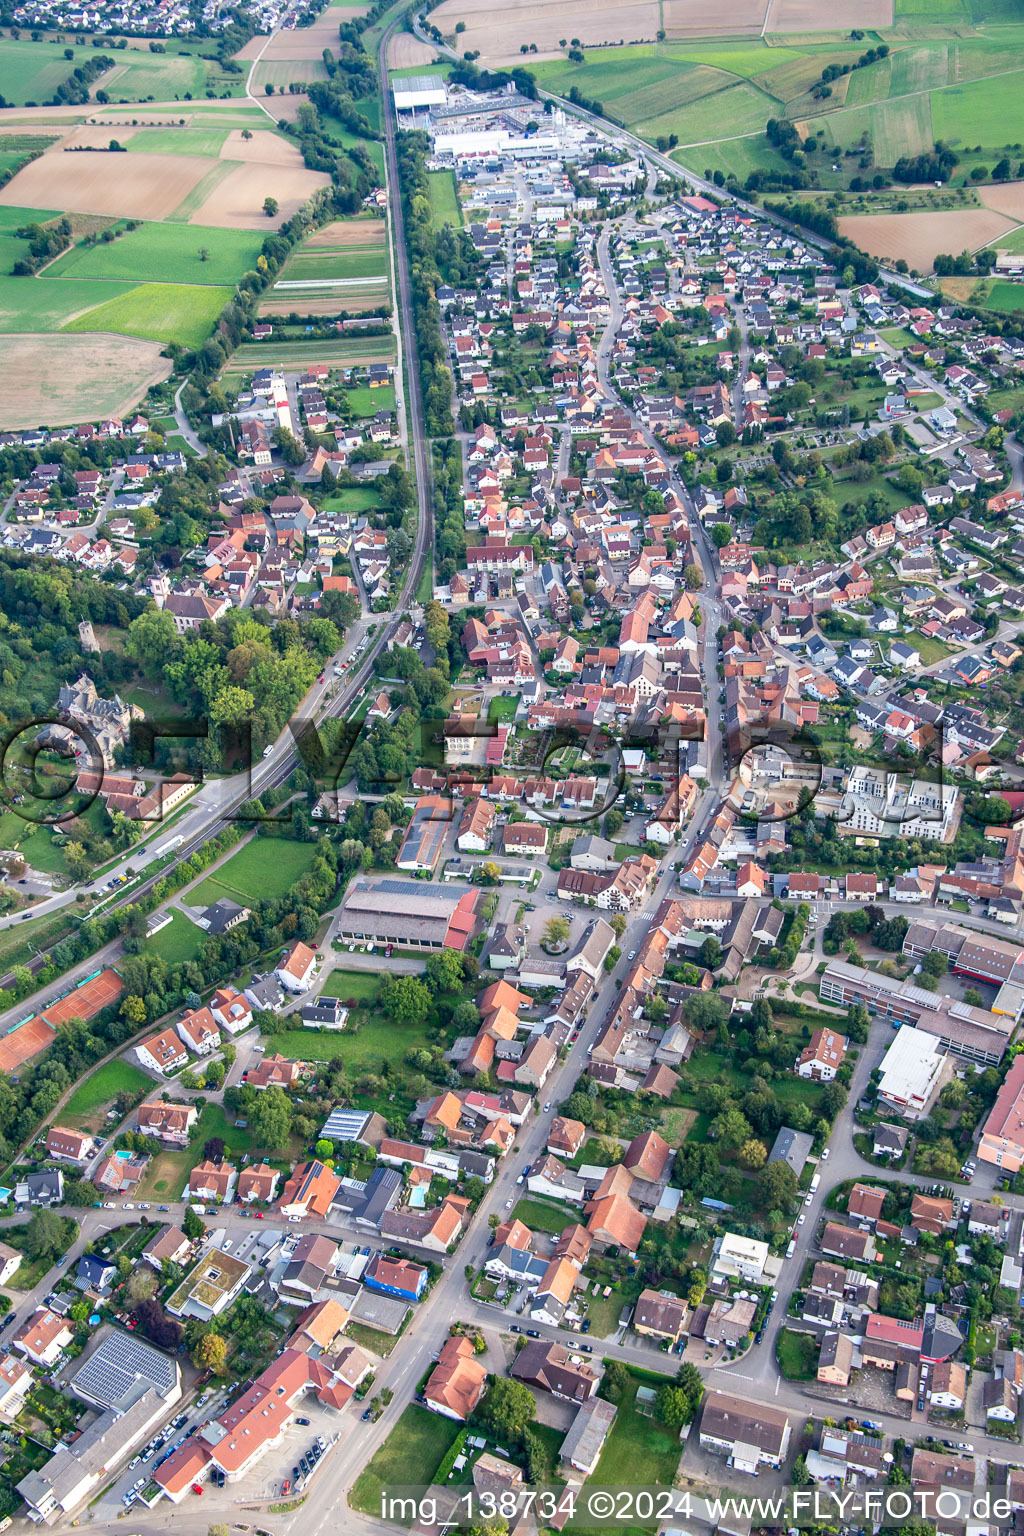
120 1369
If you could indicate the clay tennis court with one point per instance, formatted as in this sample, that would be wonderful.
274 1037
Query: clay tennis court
86 1001
23 1043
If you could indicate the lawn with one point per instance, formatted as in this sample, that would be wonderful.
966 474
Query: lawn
797 1354
373 1041
637 1453
444 199
978 112
178 76
501 710
158 312
179 941
363 401
102 1086
410 1455
353 498
542 1216
160 253
930 650
265 867
361 985
177 141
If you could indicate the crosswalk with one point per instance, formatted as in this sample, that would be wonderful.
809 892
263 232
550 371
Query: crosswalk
646 917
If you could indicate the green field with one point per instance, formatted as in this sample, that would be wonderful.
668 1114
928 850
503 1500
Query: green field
98 1089
179 941
174 76
352 498
158 312
266 867
983 112
155 253
364 401
35 304
444 203
31 72
328 266
411 1454
345 352
177 141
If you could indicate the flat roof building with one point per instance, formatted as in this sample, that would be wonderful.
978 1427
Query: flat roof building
913 1071
419 91
972 1033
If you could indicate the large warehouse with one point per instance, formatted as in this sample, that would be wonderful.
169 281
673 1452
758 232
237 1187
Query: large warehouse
418 92
408 914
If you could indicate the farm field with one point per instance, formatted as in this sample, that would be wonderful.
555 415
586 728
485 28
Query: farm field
29 304
156 252
919 237
323 266
127 186
65 379
345 352
158 312
265 867
31 72
141 76
177 141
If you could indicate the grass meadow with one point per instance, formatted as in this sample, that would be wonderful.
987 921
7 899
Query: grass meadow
159 252
157 312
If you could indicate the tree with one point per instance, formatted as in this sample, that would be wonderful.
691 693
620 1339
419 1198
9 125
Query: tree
154 1322
556 932
752 1154
672 1406
689 1381
214 1149
405 999
204 253
779 1184
444 970
192 1224
211 1355
270 1118
618 924
615 1381
694 578
507 1410
270 207
47 1236
140 1285
710 953
721 534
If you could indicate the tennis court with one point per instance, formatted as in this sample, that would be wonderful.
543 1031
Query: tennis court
86 1001
24 1042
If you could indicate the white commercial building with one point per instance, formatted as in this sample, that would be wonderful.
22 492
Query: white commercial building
419 91
912 1073
878 804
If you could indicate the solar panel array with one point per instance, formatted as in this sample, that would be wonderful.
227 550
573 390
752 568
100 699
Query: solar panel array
113 1372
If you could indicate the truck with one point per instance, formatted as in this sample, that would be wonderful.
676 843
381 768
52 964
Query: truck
792 1248
815 1182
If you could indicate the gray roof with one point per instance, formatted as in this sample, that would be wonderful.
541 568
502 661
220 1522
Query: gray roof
792 1147
588 1432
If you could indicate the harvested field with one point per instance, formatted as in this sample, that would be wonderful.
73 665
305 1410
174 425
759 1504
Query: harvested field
323 304
406 51
1007 199
66 379
703 18
347 234
237 203
69 379
252 49
525 21
128 186
310 42
806 15
959 288
919 237
265 148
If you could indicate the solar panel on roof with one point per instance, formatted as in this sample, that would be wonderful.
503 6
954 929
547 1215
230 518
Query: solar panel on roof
121 1366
